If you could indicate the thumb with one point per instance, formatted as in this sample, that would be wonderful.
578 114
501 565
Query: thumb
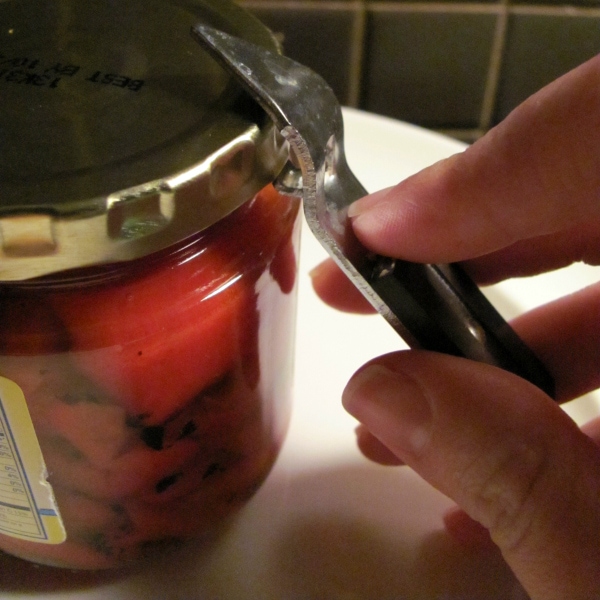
536 173
500 448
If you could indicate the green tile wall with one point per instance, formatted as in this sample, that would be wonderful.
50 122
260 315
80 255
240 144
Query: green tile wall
427 67
540 47
457 67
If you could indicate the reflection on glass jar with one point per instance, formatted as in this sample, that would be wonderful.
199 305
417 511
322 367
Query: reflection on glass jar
159 388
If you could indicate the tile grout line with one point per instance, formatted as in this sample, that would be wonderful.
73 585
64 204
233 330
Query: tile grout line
494 70
301 4
420 6
555 11
436 7
357 56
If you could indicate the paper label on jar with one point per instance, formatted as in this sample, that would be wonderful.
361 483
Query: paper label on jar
28 510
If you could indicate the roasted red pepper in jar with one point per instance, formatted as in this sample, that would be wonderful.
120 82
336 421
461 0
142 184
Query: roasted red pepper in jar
147 280
158 388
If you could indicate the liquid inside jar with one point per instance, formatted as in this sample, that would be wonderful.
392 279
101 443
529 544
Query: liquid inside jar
159 389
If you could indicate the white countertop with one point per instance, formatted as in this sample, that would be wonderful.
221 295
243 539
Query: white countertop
327 524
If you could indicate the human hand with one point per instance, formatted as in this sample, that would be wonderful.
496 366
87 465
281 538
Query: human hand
522 200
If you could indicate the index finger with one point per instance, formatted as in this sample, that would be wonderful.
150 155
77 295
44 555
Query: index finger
536 173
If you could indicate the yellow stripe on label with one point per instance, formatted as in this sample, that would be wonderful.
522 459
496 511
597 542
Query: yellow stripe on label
28 510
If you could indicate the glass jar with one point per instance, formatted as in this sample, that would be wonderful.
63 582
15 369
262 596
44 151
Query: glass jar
147 294
159 389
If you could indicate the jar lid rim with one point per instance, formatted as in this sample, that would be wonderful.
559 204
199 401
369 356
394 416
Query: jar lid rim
120 135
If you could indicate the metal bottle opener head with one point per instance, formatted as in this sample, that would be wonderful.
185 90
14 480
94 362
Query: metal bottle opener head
435 307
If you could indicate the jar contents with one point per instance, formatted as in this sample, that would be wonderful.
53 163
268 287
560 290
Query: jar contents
159 389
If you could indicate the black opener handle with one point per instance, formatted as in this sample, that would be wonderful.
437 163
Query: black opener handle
444 311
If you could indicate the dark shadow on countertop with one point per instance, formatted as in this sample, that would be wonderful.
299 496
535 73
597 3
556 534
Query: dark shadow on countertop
362 554
348 532
22 577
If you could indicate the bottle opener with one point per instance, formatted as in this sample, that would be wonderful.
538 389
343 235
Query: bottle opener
431 306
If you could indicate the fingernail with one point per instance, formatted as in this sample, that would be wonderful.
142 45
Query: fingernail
315 272
367 203
392 406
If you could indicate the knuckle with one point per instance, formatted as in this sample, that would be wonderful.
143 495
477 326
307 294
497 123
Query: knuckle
505 488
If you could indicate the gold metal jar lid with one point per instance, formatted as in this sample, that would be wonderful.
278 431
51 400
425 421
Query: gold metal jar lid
119 135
